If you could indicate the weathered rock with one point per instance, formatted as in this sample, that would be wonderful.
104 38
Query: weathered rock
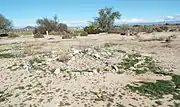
75 51
14 68
57 71
95 71
39 71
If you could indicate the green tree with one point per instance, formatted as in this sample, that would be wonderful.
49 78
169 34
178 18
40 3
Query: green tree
50 25
5 24
106 18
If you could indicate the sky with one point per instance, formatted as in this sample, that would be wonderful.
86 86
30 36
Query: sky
79 12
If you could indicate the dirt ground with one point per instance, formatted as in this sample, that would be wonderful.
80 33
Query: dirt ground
55 72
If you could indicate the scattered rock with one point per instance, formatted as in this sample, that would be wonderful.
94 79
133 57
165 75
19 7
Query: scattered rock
57 71
14 68
75 51
95 71
115 68
97 56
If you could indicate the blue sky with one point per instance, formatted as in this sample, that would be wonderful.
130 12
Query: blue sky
78 12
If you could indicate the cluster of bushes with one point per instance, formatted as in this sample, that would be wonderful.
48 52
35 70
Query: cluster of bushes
150 29
137 28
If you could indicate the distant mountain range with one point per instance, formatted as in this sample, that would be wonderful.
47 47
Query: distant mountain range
151 23
29 28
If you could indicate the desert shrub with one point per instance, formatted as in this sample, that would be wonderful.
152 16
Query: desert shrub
83 33
91 30
6 55
145 28
62 27
176 80
109 44
76 34
55 33
165 28
139 64
119 105
12 35
136 25
149 30
115 31
67 36
38 35
155 90
159 88
120 29
39 30
157 29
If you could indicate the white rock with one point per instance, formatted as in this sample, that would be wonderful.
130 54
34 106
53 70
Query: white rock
53 56
14 68
75 51
49 60
95 71
96 55
39 71
57 71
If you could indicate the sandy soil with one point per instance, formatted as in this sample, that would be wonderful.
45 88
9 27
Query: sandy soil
68 86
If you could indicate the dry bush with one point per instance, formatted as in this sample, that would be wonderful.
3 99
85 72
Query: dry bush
151 39
55 33
38 35
92 30
68 36
12 35
157 29
115 31
76 34
63 57
83 33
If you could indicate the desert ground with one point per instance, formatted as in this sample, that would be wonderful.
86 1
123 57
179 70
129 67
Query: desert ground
85 71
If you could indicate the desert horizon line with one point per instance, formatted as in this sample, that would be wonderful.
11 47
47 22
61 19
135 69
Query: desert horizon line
116 23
